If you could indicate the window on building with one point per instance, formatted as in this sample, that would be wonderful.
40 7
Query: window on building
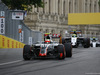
44 6
41 30
64 7
58 7
94 7
97 34
75 7
92 34
37 9
49 6
69 7
61 32
86 1
90 7
47 31
52 31
85 6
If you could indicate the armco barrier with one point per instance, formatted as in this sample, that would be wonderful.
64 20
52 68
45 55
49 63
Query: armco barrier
6 42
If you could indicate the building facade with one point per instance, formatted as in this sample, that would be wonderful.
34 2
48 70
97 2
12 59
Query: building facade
54 16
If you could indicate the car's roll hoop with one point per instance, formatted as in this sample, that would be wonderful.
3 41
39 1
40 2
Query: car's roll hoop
49 36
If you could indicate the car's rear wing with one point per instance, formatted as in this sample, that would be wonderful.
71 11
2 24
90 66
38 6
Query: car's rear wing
52 35
56 36
75 32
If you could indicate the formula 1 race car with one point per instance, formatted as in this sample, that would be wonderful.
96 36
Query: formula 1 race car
76 38
94 42
47 49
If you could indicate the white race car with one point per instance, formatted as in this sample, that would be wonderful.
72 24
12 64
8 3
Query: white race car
94 42
75 38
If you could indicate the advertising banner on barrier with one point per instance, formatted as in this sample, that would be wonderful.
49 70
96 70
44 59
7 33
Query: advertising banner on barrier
2 13
17 15
30 40
2 25
20 28
6 42
21 36
2 22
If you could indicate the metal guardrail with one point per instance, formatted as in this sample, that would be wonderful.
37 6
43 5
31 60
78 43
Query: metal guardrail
12 31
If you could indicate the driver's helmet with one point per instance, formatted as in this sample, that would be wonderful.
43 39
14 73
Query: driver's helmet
74 35
48 37
47 41
94 38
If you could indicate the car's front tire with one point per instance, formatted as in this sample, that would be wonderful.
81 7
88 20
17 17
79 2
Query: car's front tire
27 52
86 42
68 49
61 51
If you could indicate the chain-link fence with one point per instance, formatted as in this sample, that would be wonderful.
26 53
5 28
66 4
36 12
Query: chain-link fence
11 28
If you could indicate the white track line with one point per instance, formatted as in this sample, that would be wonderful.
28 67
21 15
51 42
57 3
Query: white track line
10 62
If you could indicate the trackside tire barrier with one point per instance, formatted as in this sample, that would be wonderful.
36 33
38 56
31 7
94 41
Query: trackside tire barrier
6 42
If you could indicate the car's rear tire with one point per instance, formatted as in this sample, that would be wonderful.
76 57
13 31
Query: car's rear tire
27 52
63 40
91 45
96 45
86 42
76 46
61 51
68 49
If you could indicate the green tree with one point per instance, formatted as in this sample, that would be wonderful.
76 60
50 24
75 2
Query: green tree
23 4
99 2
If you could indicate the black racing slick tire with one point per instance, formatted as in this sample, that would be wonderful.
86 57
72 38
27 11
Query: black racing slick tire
63 40
86 43
91 45
76 46
68 49
61 51
96 45
27 52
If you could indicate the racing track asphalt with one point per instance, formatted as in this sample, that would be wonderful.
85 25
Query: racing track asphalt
84 62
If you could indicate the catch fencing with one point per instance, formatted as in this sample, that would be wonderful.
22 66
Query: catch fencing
10 28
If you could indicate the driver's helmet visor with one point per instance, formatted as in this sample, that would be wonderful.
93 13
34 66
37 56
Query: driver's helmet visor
74 35
47 41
